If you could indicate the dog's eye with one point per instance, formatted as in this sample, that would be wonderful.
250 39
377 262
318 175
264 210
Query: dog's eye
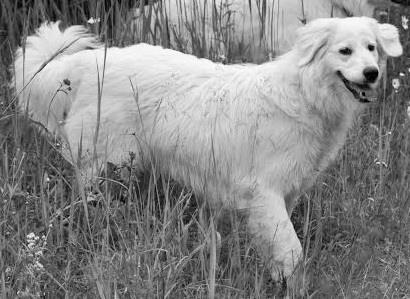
346 51
371 48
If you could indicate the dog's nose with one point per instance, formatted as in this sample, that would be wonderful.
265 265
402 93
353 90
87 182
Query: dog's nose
371 74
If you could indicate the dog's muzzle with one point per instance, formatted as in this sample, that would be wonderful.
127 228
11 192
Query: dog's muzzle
363 92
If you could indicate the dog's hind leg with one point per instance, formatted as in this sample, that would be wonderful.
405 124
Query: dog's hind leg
275 236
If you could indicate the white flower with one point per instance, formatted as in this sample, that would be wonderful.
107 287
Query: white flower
38 266
93 20
46 177
381 163
30 236
222 57
402 74
408 111
405 22
378 163
396 83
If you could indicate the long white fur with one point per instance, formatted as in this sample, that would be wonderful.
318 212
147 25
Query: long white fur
254 136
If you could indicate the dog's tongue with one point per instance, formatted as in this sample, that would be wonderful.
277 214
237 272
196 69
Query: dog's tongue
368 95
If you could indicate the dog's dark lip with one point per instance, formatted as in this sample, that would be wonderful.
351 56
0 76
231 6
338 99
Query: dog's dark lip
358 90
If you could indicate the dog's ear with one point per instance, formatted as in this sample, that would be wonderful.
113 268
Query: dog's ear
312 39
388 39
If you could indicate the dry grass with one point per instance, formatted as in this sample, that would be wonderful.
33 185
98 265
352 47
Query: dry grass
140 236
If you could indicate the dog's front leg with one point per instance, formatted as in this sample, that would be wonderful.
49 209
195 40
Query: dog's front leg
275 236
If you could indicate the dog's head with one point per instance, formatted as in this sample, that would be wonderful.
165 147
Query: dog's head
353 50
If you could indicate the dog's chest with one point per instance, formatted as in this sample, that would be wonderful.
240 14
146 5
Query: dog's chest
315 150
334 133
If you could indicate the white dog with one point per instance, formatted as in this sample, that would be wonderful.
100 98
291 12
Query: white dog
262 27
255 136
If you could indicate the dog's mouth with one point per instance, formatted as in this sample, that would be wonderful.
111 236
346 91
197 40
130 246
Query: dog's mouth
361 92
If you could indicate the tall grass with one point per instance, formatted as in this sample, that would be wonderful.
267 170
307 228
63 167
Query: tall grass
142 236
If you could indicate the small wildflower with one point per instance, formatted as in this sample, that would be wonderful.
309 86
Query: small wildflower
67 82
396 84
401 74
405 22
222 57
46 177
91 198
380 163
38 266
34 252
30 236
408 111
93 20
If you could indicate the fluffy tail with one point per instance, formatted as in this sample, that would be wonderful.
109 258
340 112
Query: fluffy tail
38 65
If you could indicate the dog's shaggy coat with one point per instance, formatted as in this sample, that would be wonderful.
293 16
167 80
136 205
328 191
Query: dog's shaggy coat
255 136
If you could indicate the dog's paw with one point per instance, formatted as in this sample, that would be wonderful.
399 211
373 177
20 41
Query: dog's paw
285 265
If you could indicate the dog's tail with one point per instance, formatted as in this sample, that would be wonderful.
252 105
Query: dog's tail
40 70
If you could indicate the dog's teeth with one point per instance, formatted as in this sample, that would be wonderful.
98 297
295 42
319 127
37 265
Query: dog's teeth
371 95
